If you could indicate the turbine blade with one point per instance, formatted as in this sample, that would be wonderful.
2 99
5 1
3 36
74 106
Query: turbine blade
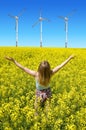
70 14
40 12
35 23
22 11
11 16
46 19
61 17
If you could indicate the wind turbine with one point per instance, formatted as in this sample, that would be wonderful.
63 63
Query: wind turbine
66 26
40 20
16 26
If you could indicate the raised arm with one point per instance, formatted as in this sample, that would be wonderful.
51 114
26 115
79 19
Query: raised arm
57 68
31 72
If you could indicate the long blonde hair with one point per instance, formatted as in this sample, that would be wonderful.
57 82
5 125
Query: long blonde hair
44 73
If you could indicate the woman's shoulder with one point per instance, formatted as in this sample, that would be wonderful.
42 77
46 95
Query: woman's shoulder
36 76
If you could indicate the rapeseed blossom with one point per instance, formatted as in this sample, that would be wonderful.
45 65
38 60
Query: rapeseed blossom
17 91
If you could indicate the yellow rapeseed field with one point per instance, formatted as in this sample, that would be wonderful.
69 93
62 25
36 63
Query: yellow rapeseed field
67 110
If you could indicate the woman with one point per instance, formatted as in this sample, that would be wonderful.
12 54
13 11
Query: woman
42 77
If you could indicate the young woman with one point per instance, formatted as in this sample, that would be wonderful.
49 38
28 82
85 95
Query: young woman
42 77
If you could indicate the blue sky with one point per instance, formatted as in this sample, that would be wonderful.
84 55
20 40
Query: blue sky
53 31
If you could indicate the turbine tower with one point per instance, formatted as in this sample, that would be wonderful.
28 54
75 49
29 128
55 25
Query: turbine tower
16 25
40 20
66 26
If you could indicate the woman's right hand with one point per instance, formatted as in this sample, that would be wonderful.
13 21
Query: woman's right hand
72 56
